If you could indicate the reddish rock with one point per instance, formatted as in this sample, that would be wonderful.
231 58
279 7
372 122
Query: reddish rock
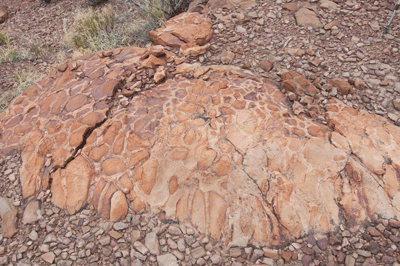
210 152
343 86
266 65
184 28
153 62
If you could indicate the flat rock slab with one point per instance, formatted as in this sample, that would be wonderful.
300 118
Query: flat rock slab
210 153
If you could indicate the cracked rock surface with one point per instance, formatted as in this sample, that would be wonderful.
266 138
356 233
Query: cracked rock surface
216 148
210 153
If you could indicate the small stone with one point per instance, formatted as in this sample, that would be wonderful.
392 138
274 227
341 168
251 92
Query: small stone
198 252
9 224
349 261
266 65
216 259
140 247
287 256
396 105
3 260
115 234
258 253
311 240
268 261
105 241
33 235
151 242
373 232
271 253
5 206
120 226
306 259
235 252
394 223
173 230
136 235
172 244
24 262
322 243
167 260
31 213
364 253
48 257
393 117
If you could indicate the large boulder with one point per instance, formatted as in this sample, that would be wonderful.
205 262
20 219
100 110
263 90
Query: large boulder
210 153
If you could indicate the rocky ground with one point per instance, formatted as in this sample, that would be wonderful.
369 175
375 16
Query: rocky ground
346 41
265 39
39 45
46 235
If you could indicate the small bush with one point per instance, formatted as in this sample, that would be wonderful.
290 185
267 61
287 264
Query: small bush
35 49
95 30
161 8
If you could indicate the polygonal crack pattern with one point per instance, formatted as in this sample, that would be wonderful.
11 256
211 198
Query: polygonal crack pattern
224 154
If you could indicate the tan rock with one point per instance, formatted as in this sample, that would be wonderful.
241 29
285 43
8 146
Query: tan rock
159 75
119 206
223 166
78 175
193 50
146 175
305 16
31 212
137 157
9 224
113 166
48 257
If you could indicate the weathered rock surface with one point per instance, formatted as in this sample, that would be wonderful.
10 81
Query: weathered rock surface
182 29
210 150
211 153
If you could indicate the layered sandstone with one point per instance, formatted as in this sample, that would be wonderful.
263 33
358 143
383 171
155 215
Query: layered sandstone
223 150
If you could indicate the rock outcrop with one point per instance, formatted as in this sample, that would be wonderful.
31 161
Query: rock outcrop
213 146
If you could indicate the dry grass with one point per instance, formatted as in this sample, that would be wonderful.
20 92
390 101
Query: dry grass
95 30
22 81
8 52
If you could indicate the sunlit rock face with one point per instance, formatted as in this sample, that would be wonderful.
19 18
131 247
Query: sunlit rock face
223 151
